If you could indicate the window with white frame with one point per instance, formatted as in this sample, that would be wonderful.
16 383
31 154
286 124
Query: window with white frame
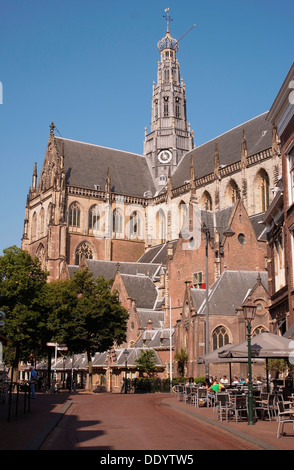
197 280
279 264
291 176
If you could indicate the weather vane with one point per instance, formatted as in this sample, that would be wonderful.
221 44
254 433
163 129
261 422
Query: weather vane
167 17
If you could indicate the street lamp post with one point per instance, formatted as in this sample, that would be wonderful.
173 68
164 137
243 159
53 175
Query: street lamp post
63 359
126 353
228 232
249 309
206 231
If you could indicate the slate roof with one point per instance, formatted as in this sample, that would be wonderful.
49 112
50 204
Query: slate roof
219 219
259 228
100 359
228 292
198 297
142 289
156 316
156 338
75 362
258 133
86 165
156 254
108 269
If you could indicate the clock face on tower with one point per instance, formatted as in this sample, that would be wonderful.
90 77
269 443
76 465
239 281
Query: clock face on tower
164 156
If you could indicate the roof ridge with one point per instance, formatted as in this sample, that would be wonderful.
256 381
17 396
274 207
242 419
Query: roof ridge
100 146
229 130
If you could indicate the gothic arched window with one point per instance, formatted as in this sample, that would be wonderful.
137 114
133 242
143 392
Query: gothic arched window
258 330
41 255
42 221
232 192
74 215
135 224
94 218
183 211
34 226
117 221
84 249
206 199
160 226
261 191
165 106
220 337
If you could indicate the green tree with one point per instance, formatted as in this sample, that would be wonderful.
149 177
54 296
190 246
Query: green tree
98 319
182 358
22 284
146 362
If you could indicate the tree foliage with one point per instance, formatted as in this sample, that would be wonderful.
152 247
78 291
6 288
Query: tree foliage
146 362
81 312
99 319
182 358
22 284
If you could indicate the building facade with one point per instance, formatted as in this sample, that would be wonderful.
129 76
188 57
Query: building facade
102 204
279 218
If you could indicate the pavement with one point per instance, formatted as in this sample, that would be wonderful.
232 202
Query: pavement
28 429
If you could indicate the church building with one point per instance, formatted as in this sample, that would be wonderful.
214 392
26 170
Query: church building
97 203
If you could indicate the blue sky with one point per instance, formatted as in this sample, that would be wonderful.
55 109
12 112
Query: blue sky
89 67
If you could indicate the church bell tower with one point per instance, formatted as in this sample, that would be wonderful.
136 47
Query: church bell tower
170 136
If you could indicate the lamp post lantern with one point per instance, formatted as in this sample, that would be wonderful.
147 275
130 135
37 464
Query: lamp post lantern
249 309
228 233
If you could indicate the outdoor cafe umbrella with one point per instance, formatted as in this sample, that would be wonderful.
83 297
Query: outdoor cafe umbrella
265 345
214 357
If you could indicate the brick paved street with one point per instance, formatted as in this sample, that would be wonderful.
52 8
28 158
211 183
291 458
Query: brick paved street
110 422
134 422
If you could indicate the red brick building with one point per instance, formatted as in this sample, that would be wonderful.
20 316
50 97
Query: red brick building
245 250
108 206
226 323
279 218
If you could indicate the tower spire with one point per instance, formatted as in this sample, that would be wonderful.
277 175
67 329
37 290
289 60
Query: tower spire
169 127
168 19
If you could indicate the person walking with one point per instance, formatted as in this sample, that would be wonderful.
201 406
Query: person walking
33 380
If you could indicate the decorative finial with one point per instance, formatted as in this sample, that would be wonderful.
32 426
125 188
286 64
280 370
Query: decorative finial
167 18
167 42
52 127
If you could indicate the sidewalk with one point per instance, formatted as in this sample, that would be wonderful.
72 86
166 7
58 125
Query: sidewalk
28 431
263 433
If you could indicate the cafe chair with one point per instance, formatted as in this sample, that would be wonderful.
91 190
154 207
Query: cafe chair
222 402
283 416
267 405
238 407
180 390
189 395
201 397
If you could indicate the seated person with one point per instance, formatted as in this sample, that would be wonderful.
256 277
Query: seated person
224 380
216 386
